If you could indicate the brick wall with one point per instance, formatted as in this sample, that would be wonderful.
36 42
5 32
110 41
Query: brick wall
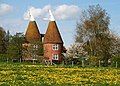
48 52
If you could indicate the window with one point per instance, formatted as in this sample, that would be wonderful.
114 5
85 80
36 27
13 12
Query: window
55 47
55 57
35 47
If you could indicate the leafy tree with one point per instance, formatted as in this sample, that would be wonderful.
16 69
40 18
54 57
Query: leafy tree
14 49
33 50
114 60
76 53
2 41
93 31
12 52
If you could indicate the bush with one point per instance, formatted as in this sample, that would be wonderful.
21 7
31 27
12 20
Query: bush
114 60
93 61
3 57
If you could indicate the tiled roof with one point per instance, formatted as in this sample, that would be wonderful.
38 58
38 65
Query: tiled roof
52 34
32 34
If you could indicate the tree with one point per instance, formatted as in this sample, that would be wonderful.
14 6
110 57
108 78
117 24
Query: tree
76 53
14 49
93 31
33 51
2 41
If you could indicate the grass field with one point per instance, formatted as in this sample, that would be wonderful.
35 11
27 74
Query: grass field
19 74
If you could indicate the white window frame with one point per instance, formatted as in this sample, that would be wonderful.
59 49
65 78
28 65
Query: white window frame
55 47
35 47
55 57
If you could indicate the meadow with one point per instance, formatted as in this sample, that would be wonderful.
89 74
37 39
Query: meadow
28 74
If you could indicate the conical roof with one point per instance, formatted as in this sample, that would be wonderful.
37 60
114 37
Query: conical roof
52 34
32 34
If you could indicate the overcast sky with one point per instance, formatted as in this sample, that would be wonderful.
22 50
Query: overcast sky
14 14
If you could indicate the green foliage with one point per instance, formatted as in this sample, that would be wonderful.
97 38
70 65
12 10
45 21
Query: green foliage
93 61
2 41
114 60
3 57
14 49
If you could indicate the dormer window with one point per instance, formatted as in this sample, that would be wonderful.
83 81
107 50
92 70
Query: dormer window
55 46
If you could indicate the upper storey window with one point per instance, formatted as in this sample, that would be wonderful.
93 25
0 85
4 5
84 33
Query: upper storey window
35 47
55 46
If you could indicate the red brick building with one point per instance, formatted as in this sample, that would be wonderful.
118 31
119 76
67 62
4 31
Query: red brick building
53 43
52 40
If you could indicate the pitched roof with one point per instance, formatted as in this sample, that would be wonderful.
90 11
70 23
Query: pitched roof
32 34
52 34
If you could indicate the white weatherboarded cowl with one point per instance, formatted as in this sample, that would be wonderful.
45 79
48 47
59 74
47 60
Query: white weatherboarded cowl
51 18
31 16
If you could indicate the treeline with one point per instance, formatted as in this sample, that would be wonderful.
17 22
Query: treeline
10 46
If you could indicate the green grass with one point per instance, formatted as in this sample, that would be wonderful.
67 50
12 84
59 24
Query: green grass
27 74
